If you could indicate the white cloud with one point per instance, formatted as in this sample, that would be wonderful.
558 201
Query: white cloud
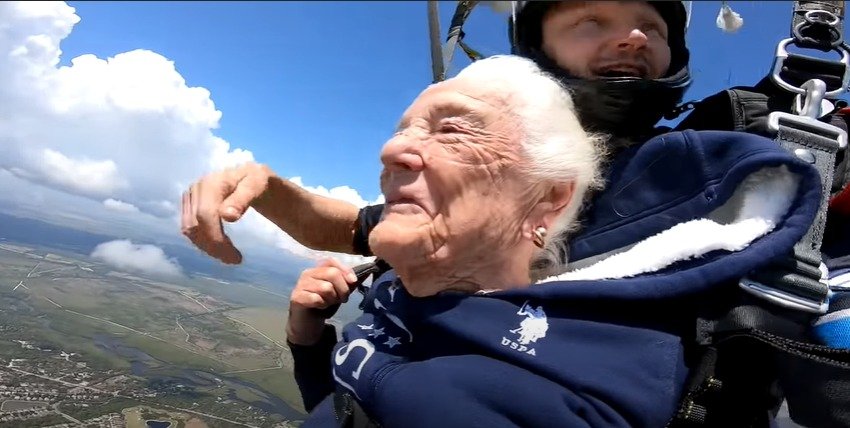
128 127
83 176
123 254
126 132
120 206
344 193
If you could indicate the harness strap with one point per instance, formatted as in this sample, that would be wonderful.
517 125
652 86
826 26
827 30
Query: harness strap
803 286
819 150
753 355
758 350
813 141
441 58
732 382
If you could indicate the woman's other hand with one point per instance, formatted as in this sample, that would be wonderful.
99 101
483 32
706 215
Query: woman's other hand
328 284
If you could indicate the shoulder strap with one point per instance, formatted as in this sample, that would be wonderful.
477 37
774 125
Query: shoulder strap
755 350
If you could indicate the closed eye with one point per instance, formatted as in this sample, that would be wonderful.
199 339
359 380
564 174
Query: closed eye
447 128
452 125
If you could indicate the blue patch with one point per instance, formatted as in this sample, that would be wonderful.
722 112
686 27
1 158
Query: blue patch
836 333
833 328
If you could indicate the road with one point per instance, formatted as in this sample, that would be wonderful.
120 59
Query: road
64 415
177 320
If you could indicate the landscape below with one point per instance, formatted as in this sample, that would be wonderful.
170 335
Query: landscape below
84 343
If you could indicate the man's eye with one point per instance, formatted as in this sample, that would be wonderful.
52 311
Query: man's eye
588 22
587 26
651 28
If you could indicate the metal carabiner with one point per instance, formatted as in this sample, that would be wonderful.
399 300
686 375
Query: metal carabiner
819 20
782 55
810 106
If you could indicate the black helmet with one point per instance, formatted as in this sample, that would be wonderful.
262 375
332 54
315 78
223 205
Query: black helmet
620 106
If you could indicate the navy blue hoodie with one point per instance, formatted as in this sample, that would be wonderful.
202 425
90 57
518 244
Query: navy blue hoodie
684 216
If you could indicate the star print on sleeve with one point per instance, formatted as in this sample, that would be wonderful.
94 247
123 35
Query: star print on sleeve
376 333
392 342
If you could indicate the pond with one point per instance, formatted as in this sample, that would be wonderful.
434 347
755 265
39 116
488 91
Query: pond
158 424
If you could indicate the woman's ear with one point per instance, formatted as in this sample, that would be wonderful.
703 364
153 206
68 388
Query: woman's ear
550 206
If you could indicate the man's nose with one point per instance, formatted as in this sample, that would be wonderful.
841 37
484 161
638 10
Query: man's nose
403 152
636 39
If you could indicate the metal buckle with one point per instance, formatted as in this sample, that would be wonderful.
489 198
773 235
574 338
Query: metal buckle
788 300
785 299
779 61
823 17
809 108
777 118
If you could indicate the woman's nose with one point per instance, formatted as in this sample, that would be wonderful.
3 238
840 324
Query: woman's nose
403 152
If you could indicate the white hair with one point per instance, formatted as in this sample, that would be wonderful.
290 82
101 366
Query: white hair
556 148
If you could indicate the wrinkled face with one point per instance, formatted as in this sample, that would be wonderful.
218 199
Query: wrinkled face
452 190
607 39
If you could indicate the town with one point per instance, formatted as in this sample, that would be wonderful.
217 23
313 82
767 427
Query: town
47 387
44 387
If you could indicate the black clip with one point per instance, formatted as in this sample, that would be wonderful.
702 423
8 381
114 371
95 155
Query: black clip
362 272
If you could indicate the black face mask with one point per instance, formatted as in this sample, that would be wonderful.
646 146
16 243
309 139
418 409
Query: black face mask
628 109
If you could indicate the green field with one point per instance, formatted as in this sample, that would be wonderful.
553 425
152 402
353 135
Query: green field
279 382
230 328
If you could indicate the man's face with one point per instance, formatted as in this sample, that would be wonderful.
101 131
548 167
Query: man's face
607 39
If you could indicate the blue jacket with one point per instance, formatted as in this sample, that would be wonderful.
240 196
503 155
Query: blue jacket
589 348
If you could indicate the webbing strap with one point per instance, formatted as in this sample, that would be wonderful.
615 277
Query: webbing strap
815 379
817 143
751 353
820 151
455 34
744 349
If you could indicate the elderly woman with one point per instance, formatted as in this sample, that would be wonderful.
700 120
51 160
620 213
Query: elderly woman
485 174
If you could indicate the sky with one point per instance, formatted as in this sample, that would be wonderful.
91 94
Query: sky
109 110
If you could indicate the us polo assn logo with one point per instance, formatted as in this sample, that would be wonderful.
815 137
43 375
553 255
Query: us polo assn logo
532 328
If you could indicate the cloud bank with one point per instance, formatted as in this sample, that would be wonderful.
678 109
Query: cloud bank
127 132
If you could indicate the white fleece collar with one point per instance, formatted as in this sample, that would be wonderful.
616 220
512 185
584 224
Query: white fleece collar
754 210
